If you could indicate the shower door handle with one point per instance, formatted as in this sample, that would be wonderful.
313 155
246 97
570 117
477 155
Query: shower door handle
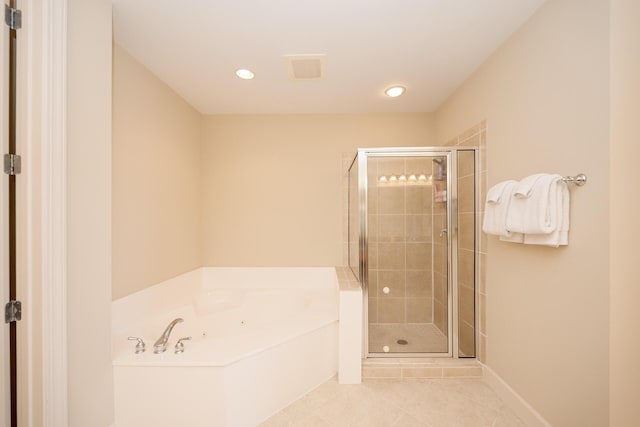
444 230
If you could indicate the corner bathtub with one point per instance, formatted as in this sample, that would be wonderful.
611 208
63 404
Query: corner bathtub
261 338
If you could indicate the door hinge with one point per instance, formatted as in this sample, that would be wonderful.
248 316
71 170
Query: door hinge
12 17
12 311
12 164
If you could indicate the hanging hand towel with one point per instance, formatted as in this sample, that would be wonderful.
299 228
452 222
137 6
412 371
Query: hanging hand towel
496 209
526 184
559 236
538 212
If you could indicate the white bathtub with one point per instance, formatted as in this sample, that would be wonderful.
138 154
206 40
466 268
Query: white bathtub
261 338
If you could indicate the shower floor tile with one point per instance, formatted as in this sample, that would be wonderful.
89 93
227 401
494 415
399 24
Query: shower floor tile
420 338
426 403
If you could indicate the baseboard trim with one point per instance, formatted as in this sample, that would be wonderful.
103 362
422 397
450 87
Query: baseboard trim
513 400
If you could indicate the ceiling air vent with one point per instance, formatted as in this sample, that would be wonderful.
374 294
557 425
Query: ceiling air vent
306 67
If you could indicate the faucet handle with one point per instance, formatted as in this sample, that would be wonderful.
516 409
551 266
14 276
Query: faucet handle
140 346
180 345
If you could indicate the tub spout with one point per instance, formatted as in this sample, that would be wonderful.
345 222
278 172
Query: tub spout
161 343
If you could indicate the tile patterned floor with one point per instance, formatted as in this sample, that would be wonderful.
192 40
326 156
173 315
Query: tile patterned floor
419 403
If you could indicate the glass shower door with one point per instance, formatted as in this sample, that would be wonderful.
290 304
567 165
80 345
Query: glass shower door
407 252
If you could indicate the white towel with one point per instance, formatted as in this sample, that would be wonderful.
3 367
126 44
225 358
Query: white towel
513 238
534 208
494 195
560 235
497 207
526 184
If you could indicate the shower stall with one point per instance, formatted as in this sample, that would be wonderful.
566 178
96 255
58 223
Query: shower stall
412 245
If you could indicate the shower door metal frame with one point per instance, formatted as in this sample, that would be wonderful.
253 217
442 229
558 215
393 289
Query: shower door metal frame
12 168
451 153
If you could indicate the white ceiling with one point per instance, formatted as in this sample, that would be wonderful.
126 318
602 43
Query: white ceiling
429 46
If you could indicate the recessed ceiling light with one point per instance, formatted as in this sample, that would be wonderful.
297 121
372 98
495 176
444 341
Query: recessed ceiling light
394 91
245 74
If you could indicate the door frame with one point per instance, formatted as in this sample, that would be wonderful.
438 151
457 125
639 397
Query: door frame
452 268
5 403
41 131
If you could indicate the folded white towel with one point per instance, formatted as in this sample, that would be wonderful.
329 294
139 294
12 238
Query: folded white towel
494 195
513 238
560 235
497 207
538 212
526 184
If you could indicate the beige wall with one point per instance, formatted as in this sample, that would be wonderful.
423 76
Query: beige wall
89 213
156 180
272 184
544 94
625 229
271 196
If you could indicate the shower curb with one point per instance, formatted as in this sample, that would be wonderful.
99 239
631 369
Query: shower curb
416 369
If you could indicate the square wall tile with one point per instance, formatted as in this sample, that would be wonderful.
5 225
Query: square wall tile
419 256
419 199
372 229
466 304
466 267
373 309
419 228
440 287
372 282
372 200
466 194
440 258
391 228
419 284
391 256
466 339
394 280
466 163
467 230
373 255
391 310
438 317
419 310
391 199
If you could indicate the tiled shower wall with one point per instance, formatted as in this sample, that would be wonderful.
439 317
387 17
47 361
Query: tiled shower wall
440 294
466 253
468 264
400 240
475 136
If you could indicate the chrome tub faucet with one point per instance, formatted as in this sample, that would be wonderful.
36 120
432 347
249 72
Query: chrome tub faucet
160 346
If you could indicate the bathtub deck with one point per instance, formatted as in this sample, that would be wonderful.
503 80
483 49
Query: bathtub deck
262 337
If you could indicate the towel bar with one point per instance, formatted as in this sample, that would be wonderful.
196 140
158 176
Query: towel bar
579 180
